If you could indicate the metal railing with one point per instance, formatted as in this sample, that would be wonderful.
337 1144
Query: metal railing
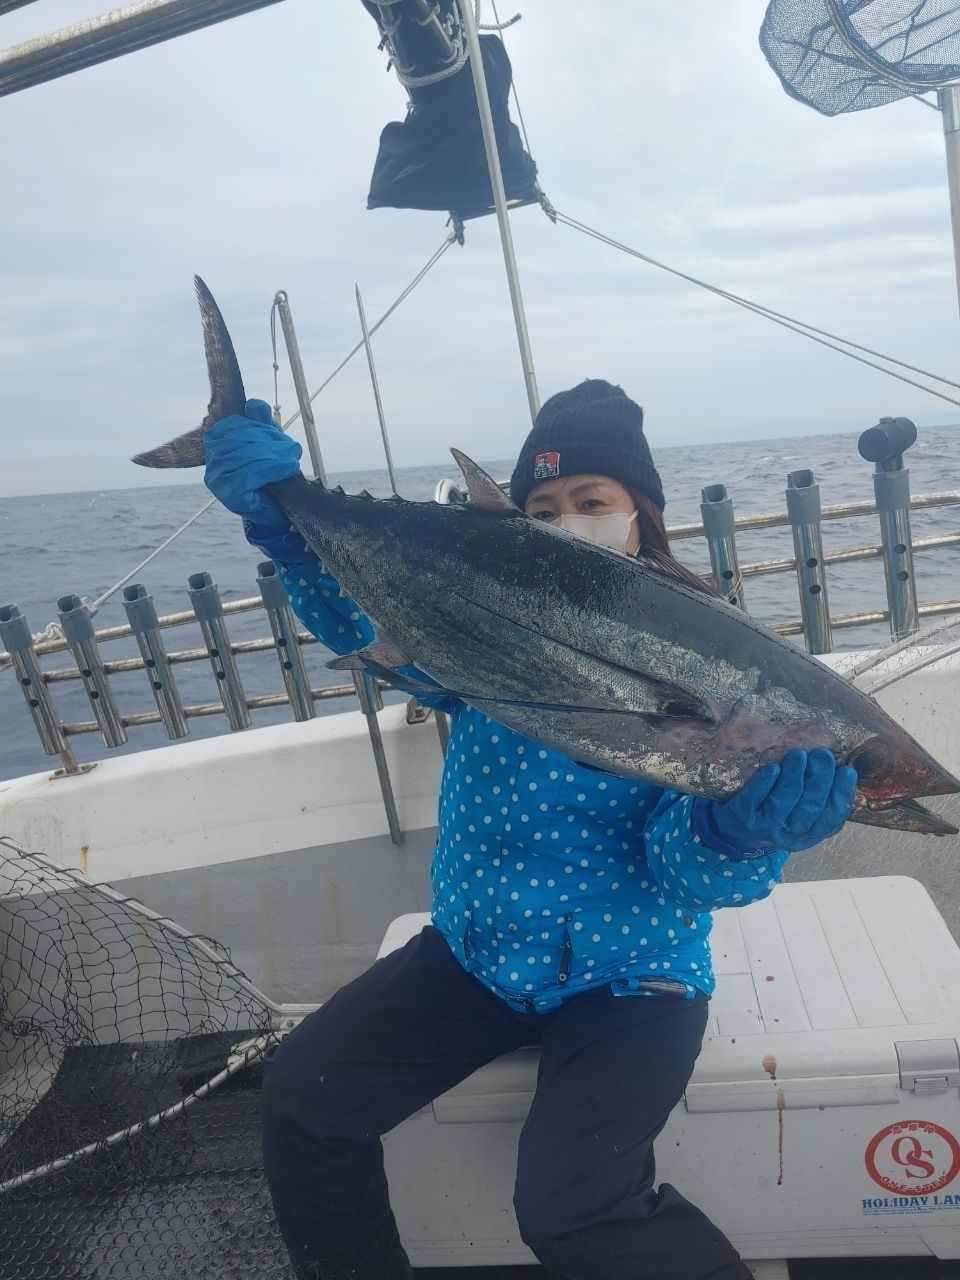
884 445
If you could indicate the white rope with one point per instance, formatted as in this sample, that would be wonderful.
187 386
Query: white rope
460 57
233 1067
156 551
501 26
922 660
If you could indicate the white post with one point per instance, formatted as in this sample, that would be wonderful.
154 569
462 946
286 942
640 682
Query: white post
282 303
950 107
499 199
376 389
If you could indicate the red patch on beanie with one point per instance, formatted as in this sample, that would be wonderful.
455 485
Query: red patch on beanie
546 465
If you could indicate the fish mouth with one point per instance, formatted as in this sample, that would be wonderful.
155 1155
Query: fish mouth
894 769
227 395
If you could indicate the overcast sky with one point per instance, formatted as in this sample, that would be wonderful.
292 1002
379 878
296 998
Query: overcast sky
244 153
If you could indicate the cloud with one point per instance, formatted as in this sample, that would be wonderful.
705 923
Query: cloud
244 153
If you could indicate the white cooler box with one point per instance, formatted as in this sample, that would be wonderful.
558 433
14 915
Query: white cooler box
823 1117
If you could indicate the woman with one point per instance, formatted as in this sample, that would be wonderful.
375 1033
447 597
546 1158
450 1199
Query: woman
571 910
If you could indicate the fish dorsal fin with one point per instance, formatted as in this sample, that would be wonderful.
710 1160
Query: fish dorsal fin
483 490
656 560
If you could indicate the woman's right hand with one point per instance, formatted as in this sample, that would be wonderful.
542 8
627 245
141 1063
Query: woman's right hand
244 452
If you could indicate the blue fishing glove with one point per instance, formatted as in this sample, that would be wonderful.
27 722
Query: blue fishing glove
244 452
792 805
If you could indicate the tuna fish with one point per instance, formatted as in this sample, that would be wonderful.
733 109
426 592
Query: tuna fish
628 665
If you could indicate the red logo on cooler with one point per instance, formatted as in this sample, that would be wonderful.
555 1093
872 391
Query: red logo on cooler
546 465
913 1157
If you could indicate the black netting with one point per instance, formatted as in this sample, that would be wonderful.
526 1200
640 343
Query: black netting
185 1200
109 1018
861 62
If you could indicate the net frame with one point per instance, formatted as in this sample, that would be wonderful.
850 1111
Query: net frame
83 965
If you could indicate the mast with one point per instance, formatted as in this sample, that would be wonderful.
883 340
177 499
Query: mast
472 37
950 107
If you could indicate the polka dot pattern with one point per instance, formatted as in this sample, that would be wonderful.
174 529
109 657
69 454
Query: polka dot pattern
550 878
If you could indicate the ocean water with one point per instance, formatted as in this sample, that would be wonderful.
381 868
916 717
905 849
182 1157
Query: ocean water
53 545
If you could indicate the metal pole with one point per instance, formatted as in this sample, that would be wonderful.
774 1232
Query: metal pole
78 630
719 529
499 199
111 35
803 507
371 701
950 108
208 610
376 387
295 678
15 635
145 625
884 445
282 303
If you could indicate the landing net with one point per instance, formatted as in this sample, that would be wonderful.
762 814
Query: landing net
849 55
123 1038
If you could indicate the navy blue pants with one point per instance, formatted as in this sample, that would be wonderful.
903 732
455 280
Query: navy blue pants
611 1070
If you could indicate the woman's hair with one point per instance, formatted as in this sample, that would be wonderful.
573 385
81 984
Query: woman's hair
650 524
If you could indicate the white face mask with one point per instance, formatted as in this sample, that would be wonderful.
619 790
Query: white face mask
611 531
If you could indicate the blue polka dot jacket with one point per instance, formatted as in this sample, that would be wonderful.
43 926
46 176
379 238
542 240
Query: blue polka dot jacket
551 878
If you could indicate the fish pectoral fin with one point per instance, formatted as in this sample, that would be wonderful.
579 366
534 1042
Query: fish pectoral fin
368 663
349 662
483 490
381 653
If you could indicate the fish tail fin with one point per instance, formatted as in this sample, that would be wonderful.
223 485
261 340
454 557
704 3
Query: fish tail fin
227 395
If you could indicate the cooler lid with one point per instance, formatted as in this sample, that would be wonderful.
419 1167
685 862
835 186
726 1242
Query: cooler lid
829 993
818 985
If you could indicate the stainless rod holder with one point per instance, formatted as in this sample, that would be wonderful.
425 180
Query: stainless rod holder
803 508
719 529
208 611
18 642
145 625
884 445
77 627
371 701
284 628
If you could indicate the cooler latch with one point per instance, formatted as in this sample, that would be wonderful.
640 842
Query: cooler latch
928 1066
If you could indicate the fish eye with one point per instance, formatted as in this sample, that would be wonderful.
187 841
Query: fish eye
868 761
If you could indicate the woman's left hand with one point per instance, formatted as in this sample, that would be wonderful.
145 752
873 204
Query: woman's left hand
792 805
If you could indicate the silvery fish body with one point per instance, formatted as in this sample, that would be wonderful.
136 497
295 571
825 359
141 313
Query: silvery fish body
596 654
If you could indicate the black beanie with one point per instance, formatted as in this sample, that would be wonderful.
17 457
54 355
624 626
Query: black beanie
596 429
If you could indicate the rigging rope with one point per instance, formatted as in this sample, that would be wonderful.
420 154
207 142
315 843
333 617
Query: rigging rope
768 313
501 26
788 322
